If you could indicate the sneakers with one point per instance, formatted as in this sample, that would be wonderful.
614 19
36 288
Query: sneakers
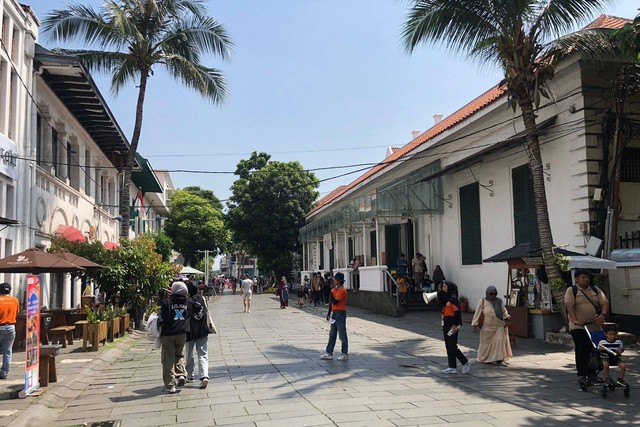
190 380
171 390
204 383
327 356
501 363
465 368
244 310
343 357
621 382
181 381
248 311
450 371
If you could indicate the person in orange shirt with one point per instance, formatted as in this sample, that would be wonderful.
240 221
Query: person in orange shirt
337 315
9 307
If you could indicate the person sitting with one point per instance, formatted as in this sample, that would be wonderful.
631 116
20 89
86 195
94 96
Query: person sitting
610 350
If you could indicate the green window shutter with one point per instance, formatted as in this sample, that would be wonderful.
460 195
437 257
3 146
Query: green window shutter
524 207
470 224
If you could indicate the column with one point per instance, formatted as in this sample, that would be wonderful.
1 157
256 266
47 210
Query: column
378 261
364 244
77 291
346 248
304 256
66 290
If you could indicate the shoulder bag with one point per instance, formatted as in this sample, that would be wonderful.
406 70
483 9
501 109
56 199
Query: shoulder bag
211 327
481 317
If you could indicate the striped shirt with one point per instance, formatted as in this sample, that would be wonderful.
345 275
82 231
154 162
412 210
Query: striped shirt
615 346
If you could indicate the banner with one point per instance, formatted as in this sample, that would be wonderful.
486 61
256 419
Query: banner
32 343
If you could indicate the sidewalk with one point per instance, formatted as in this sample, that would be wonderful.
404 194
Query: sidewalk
265 371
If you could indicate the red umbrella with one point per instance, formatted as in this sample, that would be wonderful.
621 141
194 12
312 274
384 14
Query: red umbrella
70 234
110 245
35 261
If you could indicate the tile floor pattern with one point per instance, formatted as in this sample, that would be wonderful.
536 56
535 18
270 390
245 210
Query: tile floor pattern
265 371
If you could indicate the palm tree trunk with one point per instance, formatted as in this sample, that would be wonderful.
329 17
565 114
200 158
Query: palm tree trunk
125 206
540 194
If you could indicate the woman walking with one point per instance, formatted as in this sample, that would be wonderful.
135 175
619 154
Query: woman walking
451 322
283 293
438 277
494 340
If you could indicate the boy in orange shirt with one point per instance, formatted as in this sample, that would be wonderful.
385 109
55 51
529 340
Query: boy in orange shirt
9 307
337 315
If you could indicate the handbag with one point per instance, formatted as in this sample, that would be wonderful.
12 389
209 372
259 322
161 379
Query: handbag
481 317
211 327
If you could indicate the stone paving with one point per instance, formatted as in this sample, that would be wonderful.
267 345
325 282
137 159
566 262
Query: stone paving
265 371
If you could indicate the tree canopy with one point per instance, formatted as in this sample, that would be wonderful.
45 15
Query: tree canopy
195 223
205 194
267 209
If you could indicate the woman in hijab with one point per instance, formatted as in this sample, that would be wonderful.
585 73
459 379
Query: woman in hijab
283 292
451 322
494 339
438 276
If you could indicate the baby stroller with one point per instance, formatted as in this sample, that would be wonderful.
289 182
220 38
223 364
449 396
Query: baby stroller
595 364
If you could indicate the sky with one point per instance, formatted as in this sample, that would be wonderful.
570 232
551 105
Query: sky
324 82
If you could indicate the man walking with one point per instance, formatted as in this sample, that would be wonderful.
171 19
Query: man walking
338 317
9 307
246 289
586 305
175 319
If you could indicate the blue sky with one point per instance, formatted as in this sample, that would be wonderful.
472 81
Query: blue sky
324 82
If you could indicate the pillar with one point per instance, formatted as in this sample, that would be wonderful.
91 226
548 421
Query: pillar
66 290
77 292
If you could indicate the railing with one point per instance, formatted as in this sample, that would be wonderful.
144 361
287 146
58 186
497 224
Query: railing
389 288
630 240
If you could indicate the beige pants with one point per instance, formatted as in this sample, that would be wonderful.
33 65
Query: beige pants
172 358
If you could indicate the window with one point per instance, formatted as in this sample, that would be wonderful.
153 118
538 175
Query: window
630 167
470 235
39 139
525 219
10 207
54 151
68 166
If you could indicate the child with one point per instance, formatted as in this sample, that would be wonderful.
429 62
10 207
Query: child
610 350
402 289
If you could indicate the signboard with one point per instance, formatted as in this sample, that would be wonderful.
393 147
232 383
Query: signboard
32 343
8 157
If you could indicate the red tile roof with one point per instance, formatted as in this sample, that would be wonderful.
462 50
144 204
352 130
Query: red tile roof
484 100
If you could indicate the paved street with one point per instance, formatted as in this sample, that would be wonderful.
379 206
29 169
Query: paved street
265 371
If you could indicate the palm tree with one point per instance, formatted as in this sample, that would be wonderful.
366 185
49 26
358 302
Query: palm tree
132 38
522 37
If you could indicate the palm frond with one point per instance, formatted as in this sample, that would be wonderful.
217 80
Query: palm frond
125 73
96 60
203 34
209 82
594 43
557 17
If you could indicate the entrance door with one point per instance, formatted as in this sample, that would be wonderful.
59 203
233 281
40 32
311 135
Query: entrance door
374 246
392 245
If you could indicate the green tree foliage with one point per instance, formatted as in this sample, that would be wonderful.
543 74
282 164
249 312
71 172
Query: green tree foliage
268 207
164 245
195 224
205 194
131 39
629 38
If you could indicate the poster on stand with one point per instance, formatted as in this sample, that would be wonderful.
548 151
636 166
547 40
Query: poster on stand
32 342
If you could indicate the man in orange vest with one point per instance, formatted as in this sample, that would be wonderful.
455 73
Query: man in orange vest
338 317
9 307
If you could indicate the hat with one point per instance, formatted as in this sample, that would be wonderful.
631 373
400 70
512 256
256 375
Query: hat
5 288
339 276
179 288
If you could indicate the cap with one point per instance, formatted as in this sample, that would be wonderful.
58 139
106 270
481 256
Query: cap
5 288
339 276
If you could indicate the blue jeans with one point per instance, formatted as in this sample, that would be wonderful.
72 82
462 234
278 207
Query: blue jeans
203 358
7 336
339 327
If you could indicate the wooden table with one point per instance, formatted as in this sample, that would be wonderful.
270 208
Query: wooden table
21 329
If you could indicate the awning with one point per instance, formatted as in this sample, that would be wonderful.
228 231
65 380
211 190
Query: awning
110 245
70 234
190 270
7 221
525 250
591 262
478 156
35 261
145 179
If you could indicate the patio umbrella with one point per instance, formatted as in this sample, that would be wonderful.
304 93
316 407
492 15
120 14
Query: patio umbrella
110 245
77 260
70 234
36 261
190 270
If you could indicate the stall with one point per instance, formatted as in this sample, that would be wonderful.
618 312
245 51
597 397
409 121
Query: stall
527 298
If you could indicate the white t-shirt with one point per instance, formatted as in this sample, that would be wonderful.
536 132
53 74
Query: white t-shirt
247 286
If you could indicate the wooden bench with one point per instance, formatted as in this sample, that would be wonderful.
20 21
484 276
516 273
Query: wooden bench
62 332
48 372
80 327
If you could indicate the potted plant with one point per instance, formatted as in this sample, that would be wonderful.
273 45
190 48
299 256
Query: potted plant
113 321
464 304
97 328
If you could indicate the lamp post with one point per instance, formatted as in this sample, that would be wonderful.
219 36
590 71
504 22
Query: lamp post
206 269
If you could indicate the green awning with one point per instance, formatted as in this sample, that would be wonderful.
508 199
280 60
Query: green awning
145 179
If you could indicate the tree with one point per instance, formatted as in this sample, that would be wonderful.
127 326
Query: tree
268 207
195 224
134 37
629 38
205 194
522 37
164 245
